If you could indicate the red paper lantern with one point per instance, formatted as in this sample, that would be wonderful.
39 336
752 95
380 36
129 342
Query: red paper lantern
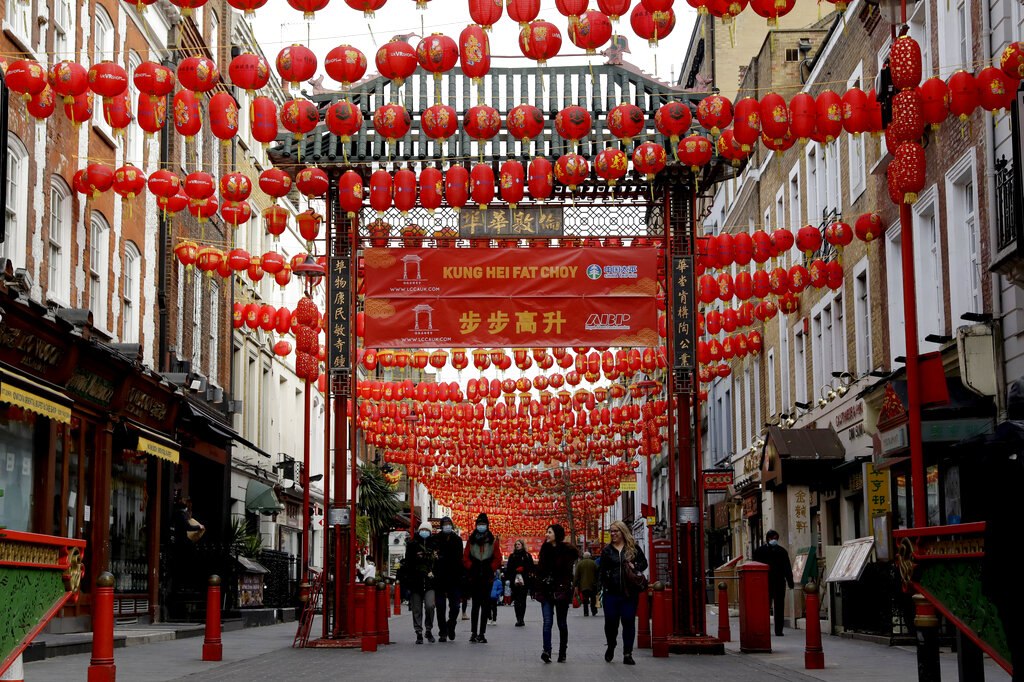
309 8
874 113
474 52
272 262
275 220
729 148
911 174
782 240
296 64
648 159
345 64
438 54
802 116
540 178
525 122
396 60
312 182
651 26
772 9
724 284
774 117
695 151
995 89
188 117
572 170
174 203
152 114
439 122
614 8
164 183
309 224
672 120
829 119
350 192
540 41
573 123
892 182
41 104
747 122
98 178
275 182
80 109
223 117
627 120
27 78
905 63
934 95
198 73
236 213
742 248
108 79
808 239
839 235
482 184
249 7
380 191
512 180
299 116
523 11
963 94
263 120
611 165
482 122
129 181
743 286
199 185
868 227
834 275
367 7
431 188
203 210
707 289
485 12
404 184
714 113
456 186
344 119
117 112
154 80
590 31
391 121
776 145
69 80
855 111
1012 61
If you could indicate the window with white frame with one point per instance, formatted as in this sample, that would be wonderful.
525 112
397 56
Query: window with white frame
18 15
965 271
855 146
244 133
767 224
180 327
828 339
214 40
197 322
771 383
919 22
737 421
955 51
99 247
757 398
883 54
784 363
727 419
931 309
794 197
800 363
130 295
862 316
813 204
833 180
103 50
59 252
213 327
894 291
15 237
63 30
780 209
133 146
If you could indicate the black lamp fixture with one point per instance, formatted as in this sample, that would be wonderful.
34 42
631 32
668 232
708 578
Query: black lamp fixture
977 317
940 339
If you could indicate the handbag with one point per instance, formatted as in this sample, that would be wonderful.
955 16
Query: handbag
636 582
576 599
195 530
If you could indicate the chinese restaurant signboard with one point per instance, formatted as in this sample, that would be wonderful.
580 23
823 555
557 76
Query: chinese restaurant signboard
534 221
339 311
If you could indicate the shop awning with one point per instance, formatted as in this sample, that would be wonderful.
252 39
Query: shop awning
32 395
800 456
152 443
260 498
252 566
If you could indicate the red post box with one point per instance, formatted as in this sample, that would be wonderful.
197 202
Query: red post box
643 619
755 620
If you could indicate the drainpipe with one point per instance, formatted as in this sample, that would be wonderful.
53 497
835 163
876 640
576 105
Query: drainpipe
163 252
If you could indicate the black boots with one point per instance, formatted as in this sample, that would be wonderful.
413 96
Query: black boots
546 656
609 653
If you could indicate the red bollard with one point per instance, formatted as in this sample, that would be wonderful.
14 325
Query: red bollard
643 617
724 633
383 636
398 600
101 665
360 597
755 620
814 656
369 639
659 622
213 649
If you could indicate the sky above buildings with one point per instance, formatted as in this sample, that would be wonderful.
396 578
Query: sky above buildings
277 25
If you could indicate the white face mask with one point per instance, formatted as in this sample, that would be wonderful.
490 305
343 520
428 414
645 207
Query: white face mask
773 542
481 527
446 529
424 534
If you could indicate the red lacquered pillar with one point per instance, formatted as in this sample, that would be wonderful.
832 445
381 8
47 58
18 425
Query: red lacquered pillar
213 649
724 632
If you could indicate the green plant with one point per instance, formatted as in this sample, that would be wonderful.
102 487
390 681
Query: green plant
363 530
253 546
242 542
377 500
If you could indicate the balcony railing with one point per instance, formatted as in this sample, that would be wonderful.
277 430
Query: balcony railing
1007 226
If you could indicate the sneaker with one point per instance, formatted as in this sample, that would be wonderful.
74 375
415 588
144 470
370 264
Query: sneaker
442 638
627 659
561 657
546 657
419 639
609 654
520 624
430 638
481 639
472 639
451 633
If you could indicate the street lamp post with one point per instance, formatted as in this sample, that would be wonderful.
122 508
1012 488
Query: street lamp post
412 419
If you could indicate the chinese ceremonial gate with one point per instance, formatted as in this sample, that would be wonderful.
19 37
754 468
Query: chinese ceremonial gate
656 212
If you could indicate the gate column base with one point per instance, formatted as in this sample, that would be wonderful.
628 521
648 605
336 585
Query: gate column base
696 646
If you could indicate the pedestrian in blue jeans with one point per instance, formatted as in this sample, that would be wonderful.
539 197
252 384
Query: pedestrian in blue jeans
554 592
620 595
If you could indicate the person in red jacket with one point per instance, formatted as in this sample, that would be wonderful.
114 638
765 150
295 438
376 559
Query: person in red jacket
481 558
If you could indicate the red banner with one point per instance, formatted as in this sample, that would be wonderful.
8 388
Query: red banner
504 322
537 273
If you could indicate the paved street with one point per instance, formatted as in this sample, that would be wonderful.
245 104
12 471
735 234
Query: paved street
512 653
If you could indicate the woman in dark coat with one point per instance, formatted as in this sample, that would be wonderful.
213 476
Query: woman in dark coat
554 587
620 596
481 558
519 572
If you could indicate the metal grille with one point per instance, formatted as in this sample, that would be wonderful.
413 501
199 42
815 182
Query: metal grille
1006 218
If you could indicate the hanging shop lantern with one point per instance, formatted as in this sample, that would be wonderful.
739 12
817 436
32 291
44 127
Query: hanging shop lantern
474 53
540 41
743 286
839 235
657 7
188 117
199 74
572 170
799 278
272 262
855 114
523 11
367 7
649 159
611 165
778 145
724 242
614 8
27 78
223 117
868 227
129 181
456 187
724 284
714 113
905 63
525 122
482 184
42 104
874 113
404 190
590 31
204 209
275 220
834 276
1012 61
344 119
80 109
571 9
540 178
626 121
649 26
263 120
391 121
69 80
186 252
152 115
345 64
199 185
573 123
275 182
208 259
511 182
695 151
396 60
309 224
437 54
380 191
249 71
309 8
729 148
439 122
312 182
485 12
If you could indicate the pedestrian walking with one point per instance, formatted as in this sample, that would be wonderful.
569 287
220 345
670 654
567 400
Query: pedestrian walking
447 578
585 580
519 571
554 587
481 558
418 576
621 572
497 590
780 574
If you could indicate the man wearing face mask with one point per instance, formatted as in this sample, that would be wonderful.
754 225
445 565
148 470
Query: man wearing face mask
420 562
780 574
481 558
447 578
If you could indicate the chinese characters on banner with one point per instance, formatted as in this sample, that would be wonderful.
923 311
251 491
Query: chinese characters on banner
627 483
683 351
534 221
799 502
339 312
876 489
717 480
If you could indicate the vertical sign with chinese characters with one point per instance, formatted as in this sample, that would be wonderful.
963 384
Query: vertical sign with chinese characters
799 503
682 313
876 490
339 310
